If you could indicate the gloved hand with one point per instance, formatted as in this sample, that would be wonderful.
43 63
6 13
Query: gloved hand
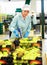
26 34
16 33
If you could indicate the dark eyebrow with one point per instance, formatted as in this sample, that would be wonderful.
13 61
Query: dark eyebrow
25 11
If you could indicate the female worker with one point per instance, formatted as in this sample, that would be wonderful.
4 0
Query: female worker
21 24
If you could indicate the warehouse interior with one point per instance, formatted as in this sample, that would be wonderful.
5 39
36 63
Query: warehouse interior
9 9
6 14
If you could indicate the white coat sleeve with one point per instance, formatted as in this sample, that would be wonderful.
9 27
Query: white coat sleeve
13 25
29 25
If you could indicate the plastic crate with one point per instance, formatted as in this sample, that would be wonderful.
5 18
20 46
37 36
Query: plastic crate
1 28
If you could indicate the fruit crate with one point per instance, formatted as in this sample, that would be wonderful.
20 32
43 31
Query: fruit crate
25 52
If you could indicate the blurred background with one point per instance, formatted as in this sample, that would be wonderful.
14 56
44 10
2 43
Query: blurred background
10 8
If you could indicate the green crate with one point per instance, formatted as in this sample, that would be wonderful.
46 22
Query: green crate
1 28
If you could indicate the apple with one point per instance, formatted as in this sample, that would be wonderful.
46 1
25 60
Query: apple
5 54
1 54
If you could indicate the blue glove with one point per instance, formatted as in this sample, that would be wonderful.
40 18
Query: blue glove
26 34
16 33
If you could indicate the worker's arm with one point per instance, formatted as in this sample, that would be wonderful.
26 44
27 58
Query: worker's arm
13 24
28 29
13 27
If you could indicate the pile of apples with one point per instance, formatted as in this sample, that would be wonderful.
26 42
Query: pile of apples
27 49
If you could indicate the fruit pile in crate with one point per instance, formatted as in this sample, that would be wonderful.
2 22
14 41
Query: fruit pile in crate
24 51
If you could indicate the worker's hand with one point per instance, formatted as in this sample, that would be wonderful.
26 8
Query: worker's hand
26 34
16 33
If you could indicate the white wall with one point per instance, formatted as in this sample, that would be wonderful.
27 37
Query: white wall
12 0
10 7
38 6
33 5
